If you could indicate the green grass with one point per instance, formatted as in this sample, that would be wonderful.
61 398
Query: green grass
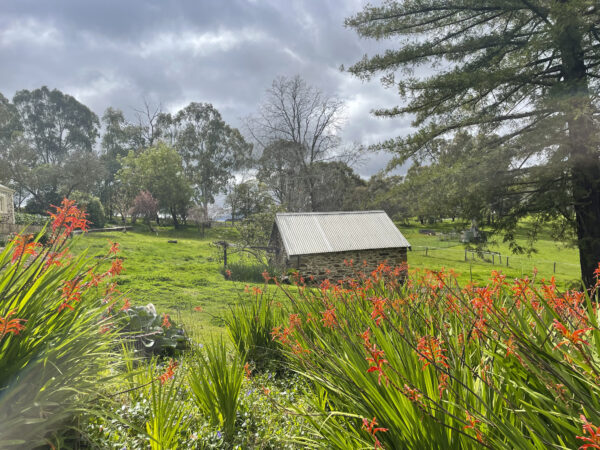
451 254
176 278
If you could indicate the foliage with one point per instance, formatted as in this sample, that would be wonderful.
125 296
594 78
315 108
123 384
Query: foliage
152 333
92 207
248 271
249 325
210 149
158 170
30 219
144 205
168 414
525 75
55 347
49 146
248 198
216 384
432 365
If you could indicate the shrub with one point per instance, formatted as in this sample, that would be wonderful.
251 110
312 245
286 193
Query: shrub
30 219
216 385
249 325
54 344
93 208
251 273
433 365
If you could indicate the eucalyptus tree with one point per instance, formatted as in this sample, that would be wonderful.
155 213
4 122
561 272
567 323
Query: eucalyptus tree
211 150
527 71
50 153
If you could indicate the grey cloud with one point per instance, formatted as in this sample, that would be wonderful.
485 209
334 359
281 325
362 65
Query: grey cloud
115 53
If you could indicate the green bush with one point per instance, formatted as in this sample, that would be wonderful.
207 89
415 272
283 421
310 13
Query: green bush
251 273
432 365
30 219
216 384
92 206
55 347
249 324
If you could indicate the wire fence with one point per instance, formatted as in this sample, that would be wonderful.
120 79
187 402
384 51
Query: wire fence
458 254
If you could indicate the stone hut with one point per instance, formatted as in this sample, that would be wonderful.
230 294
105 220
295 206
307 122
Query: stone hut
317 244
7 207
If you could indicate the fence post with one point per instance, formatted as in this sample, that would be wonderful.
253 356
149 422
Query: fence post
465 254
507 261
500 258
225 255
554 267
471 272
426 248
493 259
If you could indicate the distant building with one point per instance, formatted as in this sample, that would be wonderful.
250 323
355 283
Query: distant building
7 208
316 244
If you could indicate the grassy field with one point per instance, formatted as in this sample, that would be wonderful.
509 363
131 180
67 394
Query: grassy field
179 277
551 257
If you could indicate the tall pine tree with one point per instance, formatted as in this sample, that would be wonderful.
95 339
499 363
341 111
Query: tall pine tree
525 70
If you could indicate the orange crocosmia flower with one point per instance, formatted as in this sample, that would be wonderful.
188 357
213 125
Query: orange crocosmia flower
329 318
114 248
472 424
412 394
165 322
22 246
126 306
198 308
366 336
443 383
256 291
266 390
70 217
378 310
295 321
8 325
266 276
376 362
247 370
573 337
169 372
371 428
430 350
116 268
593 441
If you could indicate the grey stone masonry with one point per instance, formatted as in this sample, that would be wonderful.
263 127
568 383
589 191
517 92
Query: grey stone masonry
339 265
7 207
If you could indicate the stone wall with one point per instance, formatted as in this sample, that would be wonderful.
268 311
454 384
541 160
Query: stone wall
331 265
7 211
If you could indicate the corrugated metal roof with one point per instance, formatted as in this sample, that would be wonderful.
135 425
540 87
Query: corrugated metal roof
325 232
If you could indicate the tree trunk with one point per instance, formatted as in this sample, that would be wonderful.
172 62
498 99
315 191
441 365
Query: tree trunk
584 162
174 215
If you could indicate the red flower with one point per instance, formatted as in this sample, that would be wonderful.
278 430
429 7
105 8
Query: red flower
295 321
165 322
198 308
371 429
430 351
573 337
8 325
114 248
22 246
68 216
169 372
126 306
593 431
378 313
266 276
329 318
472 424
116 268
377 361
247 370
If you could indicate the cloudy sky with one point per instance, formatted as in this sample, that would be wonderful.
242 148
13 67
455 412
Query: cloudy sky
226 52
